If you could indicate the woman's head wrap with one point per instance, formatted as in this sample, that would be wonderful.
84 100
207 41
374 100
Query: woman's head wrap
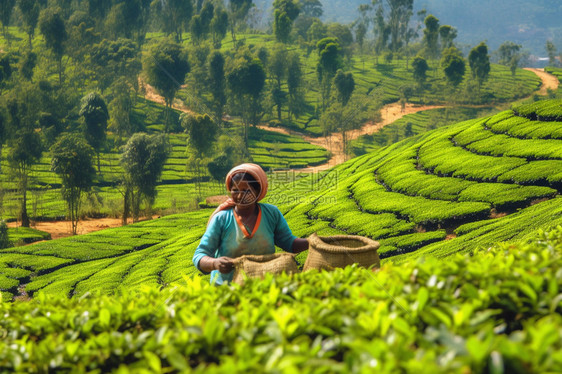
255 171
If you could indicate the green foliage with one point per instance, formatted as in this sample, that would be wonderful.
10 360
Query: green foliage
479 62
478 310
165 67
143 160
71 160
453 65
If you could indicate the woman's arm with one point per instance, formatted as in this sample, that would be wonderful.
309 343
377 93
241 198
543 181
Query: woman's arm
299 245
222 264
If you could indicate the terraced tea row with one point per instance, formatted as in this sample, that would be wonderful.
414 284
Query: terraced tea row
428 195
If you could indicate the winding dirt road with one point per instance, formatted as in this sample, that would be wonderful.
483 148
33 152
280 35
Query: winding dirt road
333 143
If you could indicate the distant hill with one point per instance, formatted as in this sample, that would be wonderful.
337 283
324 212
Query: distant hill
529 23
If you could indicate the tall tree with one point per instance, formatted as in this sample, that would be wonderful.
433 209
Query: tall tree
479 62
143 160
330 60
278 71
174 15
453 65
201 135
447 34
111 60
6 9
509 55
285 13
420 68
71 160
399 17
217 84
53 29
238 11
219 26
246 81
94 111
551 51
381 31
431 36
295 85
345 84
26 150
165 67
30 16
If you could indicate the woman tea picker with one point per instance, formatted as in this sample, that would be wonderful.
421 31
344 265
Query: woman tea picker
242 226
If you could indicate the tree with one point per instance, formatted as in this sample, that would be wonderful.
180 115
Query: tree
311 8
381 31
551 51
509 55
238 11
431 36
420 71
399 17
453 65
6 8
479 62
201 23
165 67
143 160
30 16
26 150
27 64
111 60
278 71
345 84
174 15
330 60
94 111
246 81
201 134
342 119
285 13
294 85
217 84
4 237
219 26
447 34
53 29
71 160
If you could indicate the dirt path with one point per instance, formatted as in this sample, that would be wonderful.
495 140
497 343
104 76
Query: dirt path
151 94
549 81
334 142
62 229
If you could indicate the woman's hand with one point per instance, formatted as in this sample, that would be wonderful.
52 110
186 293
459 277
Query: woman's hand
223 264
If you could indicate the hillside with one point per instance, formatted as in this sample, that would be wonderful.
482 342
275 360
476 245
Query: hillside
493 311
449 190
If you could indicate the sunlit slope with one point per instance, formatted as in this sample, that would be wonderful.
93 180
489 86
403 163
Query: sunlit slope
453 189
475 182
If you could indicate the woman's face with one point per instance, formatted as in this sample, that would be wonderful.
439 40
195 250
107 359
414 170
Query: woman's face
242 193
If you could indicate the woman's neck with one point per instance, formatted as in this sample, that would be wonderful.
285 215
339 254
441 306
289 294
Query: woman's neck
246 210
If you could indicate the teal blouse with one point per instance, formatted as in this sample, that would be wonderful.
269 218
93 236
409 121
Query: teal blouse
224 237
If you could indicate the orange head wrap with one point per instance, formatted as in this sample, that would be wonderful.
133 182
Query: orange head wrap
255 171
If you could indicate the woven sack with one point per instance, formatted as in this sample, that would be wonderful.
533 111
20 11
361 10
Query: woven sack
256 266
338 251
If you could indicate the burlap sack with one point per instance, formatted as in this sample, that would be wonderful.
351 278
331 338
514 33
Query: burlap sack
256 266
338 251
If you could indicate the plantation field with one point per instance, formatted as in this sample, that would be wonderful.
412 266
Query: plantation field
176 190
378 82
447 191
488 311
